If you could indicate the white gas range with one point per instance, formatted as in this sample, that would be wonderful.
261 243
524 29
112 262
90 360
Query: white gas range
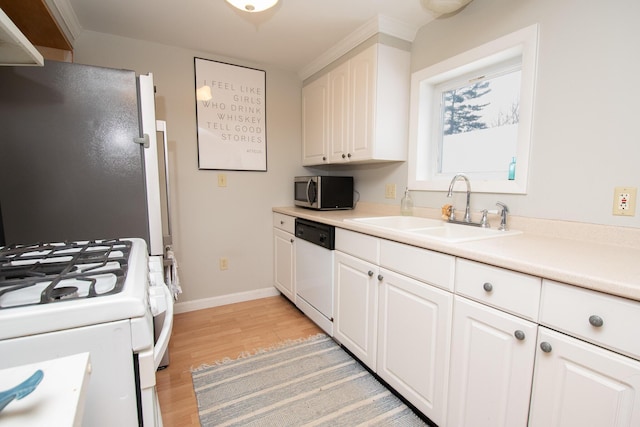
94 296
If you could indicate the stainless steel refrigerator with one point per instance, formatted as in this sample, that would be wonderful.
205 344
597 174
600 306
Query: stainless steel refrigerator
80 159
73 161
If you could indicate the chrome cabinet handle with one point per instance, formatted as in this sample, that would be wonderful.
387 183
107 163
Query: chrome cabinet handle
519 335
380 277
596 321
487 287
370 273
545 346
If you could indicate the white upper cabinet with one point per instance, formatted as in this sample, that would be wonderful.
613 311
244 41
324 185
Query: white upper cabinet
315 117
358 111
338 124
15 49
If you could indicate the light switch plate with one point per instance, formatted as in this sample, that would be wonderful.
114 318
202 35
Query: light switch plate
390 191
624 201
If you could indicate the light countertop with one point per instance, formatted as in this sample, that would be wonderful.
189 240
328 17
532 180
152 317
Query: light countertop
601 258
59 398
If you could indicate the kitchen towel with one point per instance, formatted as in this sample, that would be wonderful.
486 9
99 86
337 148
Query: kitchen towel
172 279
312 382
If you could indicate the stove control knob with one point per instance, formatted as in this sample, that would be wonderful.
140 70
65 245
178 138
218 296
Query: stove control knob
157 302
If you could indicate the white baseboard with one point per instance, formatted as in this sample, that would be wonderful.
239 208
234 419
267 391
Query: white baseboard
183 307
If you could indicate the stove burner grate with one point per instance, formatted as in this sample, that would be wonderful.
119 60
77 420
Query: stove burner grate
64 292
23 266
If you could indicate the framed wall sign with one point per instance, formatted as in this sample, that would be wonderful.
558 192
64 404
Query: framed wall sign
231 116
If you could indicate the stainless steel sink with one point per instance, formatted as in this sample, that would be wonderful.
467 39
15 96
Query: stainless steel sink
432 229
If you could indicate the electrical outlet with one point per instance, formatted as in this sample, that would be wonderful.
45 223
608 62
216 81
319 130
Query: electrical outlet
222 180
224 263
390 191
624 201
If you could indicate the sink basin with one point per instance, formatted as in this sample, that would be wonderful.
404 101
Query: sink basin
432 229
453 233
401 223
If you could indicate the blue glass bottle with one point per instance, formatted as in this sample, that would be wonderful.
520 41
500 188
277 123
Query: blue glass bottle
512 169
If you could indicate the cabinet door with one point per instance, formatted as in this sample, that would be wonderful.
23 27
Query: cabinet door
491 369
356 306
338 114
315 107
362 103
580 384
414 329
284 263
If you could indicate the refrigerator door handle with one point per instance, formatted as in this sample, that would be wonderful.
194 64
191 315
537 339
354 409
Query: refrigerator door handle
161 126
142 141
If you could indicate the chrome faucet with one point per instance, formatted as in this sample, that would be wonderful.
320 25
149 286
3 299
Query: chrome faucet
503 216
467 214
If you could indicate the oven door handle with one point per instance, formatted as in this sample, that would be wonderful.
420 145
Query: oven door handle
167 326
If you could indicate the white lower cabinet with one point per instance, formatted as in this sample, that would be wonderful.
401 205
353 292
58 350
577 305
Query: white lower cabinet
355 323
414 328
473 345
492 358
588 360
580 384
398 326
284 254
284 263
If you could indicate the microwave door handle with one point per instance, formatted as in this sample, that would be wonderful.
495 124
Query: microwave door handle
308 186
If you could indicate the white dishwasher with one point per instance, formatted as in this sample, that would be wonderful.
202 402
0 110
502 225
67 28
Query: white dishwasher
314 271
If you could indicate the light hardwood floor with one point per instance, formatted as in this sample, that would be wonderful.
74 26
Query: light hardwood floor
205 336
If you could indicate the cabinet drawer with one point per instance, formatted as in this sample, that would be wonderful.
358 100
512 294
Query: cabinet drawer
577 311
284 222
422 264
513 292
359 245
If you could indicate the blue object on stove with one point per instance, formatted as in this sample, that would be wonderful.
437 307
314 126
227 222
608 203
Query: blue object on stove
21 390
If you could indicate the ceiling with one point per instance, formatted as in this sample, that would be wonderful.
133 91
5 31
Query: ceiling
291 36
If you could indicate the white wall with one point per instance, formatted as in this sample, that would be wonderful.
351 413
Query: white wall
585 129
210 222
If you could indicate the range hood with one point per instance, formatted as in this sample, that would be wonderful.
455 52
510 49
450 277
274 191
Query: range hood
15 48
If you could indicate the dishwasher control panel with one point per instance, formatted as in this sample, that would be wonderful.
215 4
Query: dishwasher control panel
317 233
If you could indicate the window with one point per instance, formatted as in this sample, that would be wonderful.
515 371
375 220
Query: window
472 114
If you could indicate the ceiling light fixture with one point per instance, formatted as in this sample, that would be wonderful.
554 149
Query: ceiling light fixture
252 5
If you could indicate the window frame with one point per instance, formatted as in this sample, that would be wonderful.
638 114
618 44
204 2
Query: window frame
425 117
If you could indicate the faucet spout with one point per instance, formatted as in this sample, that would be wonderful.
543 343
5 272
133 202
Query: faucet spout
467 212
503 216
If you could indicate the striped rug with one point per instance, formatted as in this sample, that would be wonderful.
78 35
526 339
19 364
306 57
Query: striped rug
308 383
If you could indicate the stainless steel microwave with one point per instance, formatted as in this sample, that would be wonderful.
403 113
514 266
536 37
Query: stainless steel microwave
324 192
